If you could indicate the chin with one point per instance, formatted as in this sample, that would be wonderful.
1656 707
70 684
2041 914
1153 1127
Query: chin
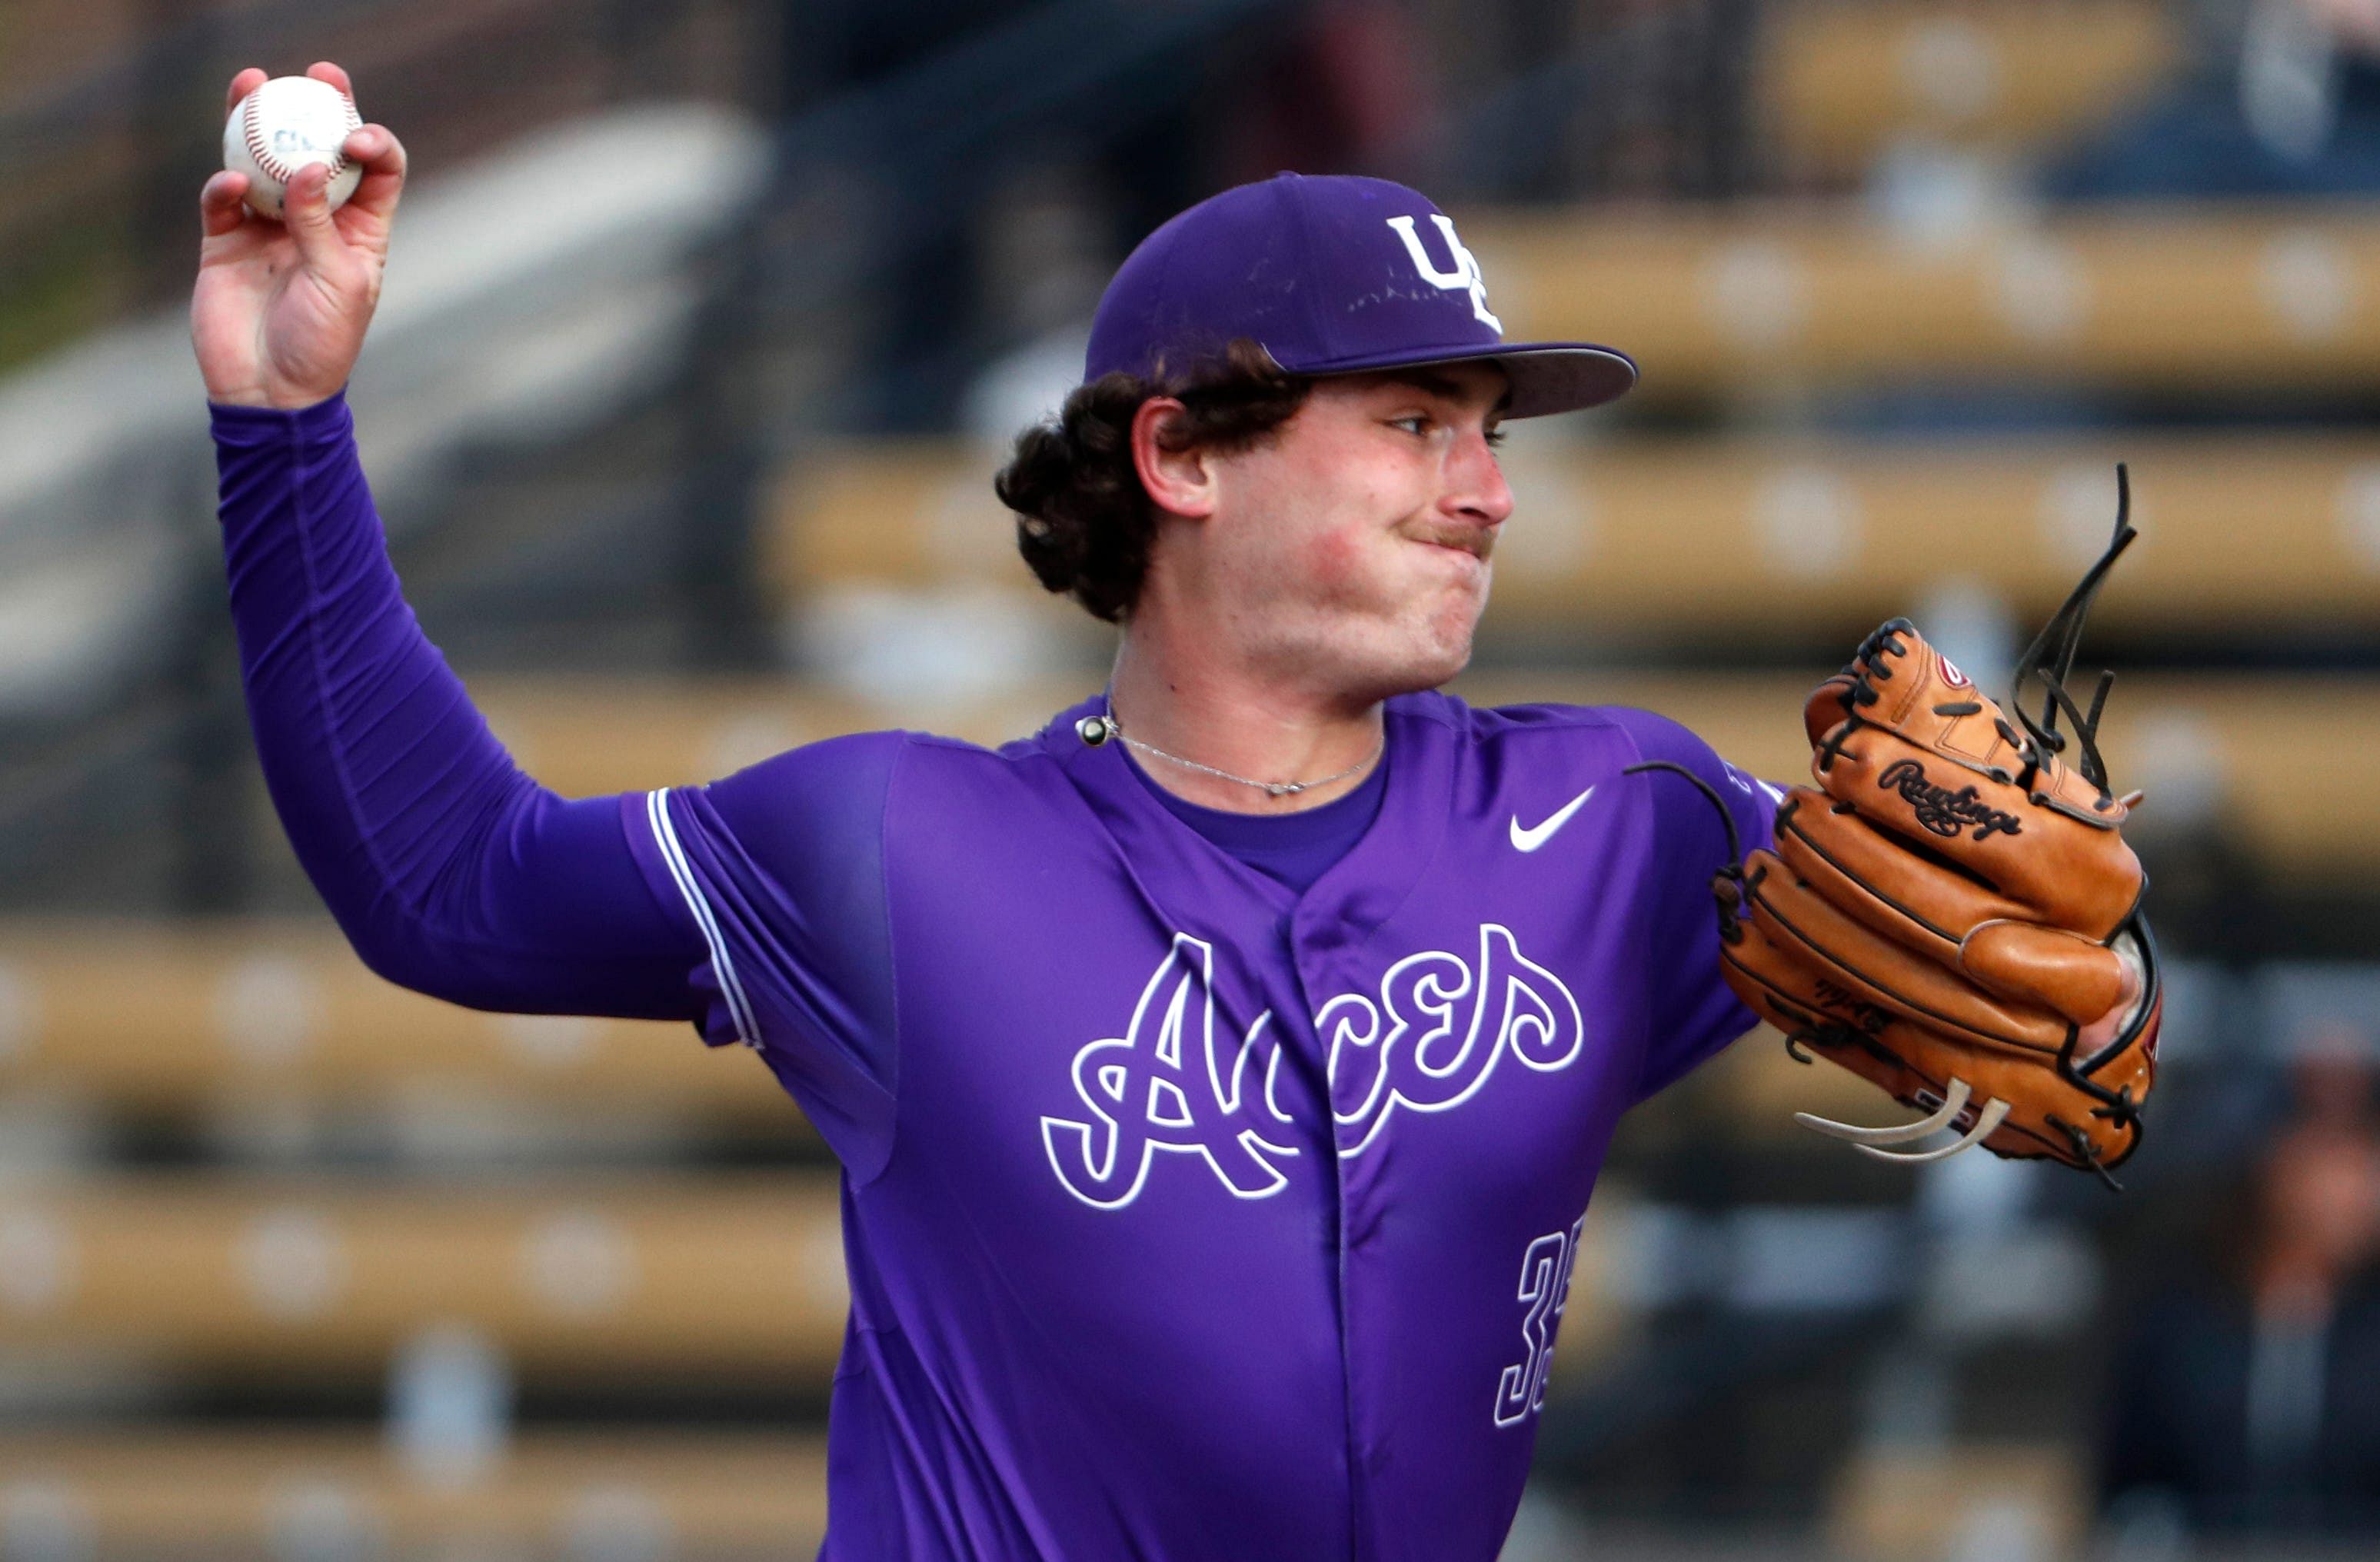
1424 662
1442 644
1442 669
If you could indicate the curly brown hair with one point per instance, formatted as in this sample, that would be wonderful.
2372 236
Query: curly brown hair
1084 521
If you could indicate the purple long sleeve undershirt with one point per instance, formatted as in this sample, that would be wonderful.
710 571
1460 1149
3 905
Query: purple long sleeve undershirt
449 870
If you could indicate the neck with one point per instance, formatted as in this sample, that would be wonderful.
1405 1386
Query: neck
1206 709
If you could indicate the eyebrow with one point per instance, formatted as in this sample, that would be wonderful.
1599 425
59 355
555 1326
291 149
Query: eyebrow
1424 379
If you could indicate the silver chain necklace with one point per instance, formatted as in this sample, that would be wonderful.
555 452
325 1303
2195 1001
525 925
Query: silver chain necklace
1096 730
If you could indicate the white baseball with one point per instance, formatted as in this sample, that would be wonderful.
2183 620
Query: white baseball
283 125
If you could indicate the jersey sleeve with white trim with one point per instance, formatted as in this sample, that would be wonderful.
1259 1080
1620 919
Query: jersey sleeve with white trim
780 869
1693 1014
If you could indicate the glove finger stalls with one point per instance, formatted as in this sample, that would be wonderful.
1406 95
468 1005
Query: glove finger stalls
2065 971
1915 1064
2045 1111
1879 970
1912 895
1807 998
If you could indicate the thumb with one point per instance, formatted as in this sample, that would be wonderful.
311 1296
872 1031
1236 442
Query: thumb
2080 979
305 211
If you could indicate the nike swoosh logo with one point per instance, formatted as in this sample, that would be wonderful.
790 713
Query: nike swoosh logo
1529 840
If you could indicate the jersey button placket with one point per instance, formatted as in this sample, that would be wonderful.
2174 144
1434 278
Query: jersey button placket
1318 945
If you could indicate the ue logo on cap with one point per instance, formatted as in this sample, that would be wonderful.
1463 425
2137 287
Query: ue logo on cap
1296 266
1465 277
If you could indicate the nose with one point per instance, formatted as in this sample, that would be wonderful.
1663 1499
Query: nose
1475 487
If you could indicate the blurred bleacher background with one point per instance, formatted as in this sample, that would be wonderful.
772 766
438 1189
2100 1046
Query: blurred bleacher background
705 327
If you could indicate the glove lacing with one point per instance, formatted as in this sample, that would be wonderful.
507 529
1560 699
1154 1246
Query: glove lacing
2049 662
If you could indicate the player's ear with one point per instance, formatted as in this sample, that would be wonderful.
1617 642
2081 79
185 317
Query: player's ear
1180 480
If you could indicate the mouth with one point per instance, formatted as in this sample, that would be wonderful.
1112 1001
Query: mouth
1477 542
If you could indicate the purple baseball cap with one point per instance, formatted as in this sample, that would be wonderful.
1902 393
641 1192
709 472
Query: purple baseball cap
1332 274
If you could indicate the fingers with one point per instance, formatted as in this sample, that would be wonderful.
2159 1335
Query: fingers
305 211
381 155
2080 979
223 204
323 70
246 81
2108 1026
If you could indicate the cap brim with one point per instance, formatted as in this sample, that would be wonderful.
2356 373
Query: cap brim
1547 376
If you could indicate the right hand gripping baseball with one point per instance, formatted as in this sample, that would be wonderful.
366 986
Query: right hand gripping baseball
279 310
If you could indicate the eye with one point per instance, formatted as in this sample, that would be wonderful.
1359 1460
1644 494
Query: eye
1419 424
1495 438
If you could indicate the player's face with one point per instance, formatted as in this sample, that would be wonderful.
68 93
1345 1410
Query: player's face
1354 547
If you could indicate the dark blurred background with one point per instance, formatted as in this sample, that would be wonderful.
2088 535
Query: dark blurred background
705 328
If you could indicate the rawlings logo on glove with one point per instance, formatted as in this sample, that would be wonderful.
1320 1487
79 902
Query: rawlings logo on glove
1939 809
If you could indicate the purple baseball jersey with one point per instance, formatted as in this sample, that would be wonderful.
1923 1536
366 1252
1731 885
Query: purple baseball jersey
1188 1213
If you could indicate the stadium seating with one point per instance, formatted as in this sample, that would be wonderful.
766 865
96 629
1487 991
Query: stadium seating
1959 1498
1647 535
266 1017
590 1275
1766 302
1841 82
305 1493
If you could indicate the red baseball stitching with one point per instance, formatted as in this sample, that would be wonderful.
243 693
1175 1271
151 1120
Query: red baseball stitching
252 133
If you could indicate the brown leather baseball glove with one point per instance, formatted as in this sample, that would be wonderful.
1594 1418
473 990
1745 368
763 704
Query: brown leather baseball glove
1951 911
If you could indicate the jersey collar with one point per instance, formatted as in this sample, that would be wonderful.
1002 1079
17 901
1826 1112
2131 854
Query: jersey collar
1189 879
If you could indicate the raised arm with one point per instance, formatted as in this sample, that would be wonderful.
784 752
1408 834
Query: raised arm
756 907
450 870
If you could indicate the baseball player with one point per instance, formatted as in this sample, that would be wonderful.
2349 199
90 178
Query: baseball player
1219 1076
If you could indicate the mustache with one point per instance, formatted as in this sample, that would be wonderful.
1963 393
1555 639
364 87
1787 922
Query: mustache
1479 541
